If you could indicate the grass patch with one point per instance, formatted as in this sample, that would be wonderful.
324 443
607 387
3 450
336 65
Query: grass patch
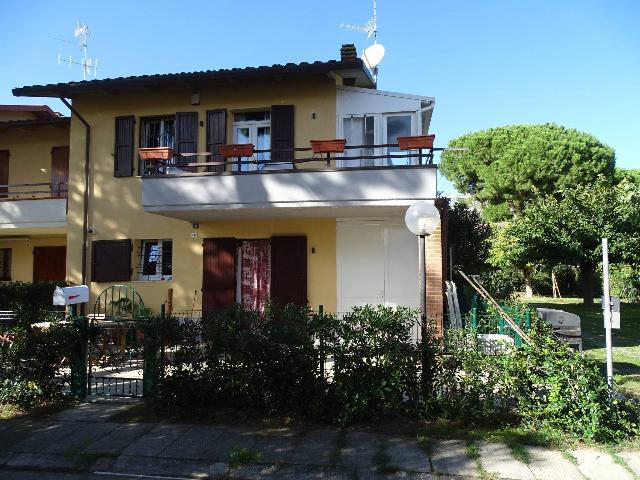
472 451
239 456
569 456
520 453
382 462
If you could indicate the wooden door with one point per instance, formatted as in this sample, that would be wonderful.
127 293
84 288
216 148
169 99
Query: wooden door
49 263
218 273
4 172
59 171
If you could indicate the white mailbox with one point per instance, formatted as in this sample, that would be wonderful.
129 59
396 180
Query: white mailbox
71 295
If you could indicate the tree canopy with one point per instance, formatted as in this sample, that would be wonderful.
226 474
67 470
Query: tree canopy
468 237
568 229
506 167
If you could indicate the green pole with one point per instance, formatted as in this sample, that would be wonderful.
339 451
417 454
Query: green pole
150 362
79 379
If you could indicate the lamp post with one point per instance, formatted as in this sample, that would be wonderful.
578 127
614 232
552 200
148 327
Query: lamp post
422 218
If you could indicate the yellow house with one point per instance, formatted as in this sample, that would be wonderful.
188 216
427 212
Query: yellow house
34 166
160 199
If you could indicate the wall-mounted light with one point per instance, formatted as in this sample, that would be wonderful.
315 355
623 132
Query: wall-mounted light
195 225
195 99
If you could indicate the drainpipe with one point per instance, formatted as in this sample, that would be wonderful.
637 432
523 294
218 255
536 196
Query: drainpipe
85 212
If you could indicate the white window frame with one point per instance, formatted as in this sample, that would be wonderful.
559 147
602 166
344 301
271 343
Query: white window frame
253 126
158 275
412 131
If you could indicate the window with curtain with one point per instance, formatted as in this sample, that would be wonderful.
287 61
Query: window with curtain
254 273
359 131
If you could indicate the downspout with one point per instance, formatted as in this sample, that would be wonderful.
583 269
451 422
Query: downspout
85 212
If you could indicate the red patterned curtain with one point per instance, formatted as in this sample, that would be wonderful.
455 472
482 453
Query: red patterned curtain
255 273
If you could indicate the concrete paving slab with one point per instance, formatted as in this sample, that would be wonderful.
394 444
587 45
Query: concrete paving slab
277 445
167 467
154 441
450 457
316 447
407 455
119 438
81 438
551 465
232 438
496 458
194 443
20 431
41 461
46 435
597 465
91 412
360 449
633 460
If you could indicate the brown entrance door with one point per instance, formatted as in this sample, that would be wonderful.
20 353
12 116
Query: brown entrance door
49 263
59 171
218 273
4 172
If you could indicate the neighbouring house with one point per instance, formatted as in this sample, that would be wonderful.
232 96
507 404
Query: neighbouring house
34 167
218 224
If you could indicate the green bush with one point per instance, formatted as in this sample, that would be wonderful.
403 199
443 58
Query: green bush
503 283
625 282
31 364
375 362
545 385
32 302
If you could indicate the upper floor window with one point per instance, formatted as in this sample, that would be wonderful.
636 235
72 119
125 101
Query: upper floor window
5 264
255 128
157 132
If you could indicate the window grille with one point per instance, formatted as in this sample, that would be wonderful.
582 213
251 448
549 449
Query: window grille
155 260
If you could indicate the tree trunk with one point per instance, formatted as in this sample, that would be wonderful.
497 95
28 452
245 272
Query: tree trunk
528 288
586 274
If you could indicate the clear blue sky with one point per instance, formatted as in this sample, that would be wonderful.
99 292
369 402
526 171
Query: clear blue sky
487 63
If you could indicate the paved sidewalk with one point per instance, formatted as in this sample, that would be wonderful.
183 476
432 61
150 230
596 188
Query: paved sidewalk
84 443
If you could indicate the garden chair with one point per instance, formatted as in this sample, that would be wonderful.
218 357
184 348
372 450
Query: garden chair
493 343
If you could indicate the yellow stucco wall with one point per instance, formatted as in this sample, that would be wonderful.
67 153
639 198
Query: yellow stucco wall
22 254
30 153
115 203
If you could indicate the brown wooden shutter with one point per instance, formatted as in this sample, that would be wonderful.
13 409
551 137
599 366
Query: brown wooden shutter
111 261
216 136
218 273
49 263
282 135
289 270
4 172
59 171
186 135
123 150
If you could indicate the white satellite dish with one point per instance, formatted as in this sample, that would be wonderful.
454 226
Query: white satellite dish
373 55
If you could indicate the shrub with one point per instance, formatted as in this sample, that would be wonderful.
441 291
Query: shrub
32 302
625 282
31 364
375 362
503 283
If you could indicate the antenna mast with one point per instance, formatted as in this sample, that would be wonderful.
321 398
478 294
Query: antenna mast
87 65
373 54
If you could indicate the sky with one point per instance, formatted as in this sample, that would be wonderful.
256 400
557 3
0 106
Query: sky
487 63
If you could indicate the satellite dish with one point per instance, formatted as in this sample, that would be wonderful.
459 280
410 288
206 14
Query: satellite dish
373 55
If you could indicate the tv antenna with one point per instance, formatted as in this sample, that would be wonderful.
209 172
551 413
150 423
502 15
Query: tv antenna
373 54
87 65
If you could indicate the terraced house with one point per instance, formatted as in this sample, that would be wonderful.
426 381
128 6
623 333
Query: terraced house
207 183
34 166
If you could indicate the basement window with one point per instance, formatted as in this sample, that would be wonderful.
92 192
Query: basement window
156 260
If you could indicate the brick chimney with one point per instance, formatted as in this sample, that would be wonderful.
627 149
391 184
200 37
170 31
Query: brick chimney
348 52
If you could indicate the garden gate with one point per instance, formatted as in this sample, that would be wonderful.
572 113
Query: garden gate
116 344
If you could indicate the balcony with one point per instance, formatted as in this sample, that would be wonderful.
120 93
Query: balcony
364 180
29 206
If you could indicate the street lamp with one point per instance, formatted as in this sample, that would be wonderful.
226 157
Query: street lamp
422 218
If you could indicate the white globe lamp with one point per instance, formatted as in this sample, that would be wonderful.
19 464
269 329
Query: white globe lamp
422 218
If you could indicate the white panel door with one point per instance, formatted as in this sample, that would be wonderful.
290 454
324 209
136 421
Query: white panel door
401 269
377 264
361 265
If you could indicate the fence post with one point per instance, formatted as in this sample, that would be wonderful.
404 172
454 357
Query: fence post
321 346
150 360
79 378
527 321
